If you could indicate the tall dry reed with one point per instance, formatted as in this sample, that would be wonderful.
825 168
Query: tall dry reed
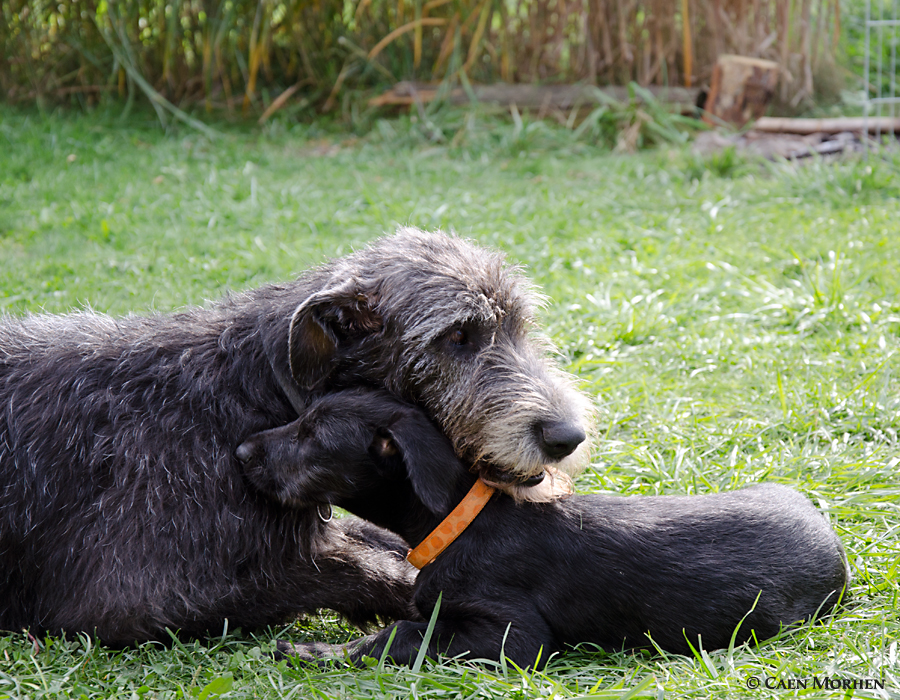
240 55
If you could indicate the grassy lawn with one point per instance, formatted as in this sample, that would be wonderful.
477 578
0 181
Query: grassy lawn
735 322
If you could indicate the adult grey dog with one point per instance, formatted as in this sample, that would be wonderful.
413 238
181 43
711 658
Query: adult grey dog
123 511
528 580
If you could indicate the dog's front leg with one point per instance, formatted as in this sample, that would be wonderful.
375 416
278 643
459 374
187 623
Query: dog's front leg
361 572
402 645
525 642
401 640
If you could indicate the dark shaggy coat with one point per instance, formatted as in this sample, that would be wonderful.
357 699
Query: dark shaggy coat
122 509
537 577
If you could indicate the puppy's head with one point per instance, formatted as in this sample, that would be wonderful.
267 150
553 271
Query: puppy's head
351 445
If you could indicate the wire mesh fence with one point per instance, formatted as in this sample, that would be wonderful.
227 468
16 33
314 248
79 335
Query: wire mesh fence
882 38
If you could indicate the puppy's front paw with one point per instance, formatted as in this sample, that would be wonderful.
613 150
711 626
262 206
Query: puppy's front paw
316 653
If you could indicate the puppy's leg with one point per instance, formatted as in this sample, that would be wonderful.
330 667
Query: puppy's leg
370 535
479 637
361 573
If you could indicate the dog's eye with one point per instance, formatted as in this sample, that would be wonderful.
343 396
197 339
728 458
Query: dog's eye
463 341
459 337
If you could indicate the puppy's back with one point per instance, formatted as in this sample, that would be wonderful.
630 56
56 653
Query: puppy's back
706 559
680 566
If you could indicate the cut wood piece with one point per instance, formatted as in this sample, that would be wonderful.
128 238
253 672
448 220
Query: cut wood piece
836 125
542 97
740 90
775 146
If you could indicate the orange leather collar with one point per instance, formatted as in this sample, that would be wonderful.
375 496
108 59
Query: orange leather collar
451 526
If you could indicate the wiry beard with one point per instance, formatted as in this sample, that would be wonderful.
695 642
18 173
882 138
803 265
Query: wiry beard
491 410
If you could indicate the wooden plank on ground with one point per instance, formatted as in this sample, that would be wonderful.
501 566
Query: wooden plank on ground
538 97
835 125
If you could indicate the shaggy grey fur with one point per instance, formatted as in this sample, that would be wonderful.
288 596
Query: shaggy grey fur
122 508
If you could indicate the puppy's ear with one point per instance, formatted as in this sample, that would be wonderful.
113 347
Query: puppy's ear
432 466
326 323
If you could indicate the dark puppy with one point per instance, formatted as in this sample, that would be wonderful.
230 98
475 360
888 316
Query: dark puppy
601 569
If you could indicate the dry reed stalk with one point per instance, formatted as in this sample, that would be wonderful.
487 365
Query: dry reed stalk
806 57
821 14
278 103
837 24
254 56
688 45
476 37
785 34
716 26
506 55
338 84
609 60
446 45
196 49
399 31
417 35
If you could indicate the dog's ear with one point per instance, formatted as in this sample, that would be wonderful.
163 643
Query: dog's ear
432 466
326 323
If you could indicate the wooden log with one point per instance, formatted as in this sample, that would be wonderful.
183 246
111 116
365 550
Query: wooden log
836 125
538 97
740 89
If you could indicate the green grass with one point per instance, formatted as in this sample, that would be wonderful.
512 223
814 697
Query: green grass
735 322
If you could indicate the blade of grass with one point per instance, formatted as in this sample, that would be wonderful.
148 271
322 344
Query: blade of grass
426 640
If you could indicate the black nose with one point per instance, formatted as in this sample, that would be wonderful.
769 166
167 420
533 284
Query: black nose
244 452
559 439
